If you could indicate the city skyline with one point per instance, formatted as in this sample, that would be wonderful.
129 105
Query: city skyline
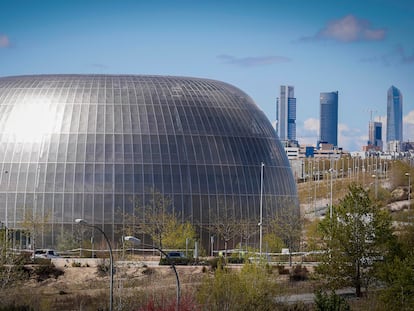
256 46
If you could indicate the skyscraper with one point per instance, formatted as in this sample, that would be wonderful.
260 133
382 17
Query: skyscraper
375 135
394 118
286 114
328 122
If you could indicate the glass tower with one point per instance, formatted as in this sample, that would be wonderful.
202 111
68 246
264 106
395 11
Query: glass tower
96 146
375 135
328 121
394 115
286 114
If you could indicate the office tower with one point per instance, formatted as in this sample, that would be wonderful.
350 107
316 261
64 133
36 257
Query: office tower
328 122
375 135
286 114
394 118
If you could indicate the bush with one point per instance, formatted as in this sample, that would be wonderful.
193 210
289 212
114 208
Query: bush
249 289
44 272
332 302
178 261
235 260
216 262
102 269
282 270
76 264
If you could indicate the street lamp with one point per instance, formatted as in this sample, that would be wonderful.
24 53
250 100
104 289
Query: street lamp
261 208
137 241
83 222
409 189
376 185
330 203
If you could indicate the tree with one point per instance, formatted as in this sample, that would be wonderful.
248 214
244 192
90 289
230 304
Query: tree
157 221
226 228
288 225
397 270
35 223
177 233
355 237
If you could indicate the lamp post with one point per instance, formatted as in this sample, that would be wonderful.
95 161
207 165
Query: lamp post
330 203
376 185
409 189
261 208
138 241
111 261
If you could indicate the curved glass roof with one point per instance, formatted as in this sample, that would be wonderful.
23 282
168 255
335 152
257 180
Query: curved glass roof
92 147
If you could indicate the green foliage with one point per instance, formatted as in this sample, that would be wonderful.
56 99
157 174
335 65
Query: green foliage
177 233
273 243
180 261
158 222
287 226
358 232
398 276
216 263
70 240
330 302
249 289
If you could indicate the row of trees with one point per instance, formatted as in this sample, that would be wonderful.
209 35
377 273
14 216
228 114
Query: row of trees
165 228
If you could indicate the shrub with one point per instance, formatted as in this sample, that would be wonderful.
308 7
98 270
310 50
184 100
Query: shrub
282 270
332 302
216 262
180 261
299 273
102 269
44 272
76 264
249 289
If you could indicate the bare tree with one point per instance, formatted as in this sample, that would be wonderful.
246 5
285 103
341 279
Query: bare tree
35 223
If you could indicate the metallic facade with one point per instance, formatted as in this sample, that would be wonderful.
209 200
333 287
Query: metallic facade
95 146
394 115
328 118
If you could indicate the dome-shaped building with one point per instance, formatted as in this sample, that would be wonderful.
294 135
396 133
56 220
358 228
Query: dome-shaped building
96 146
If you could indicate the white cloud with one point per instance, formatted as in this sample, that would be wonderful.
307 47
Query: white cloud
408 126
351 139
349 29
4 41
311 124
307 134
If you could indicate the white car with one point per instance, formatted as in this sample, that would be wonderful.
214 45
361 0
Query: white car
46 253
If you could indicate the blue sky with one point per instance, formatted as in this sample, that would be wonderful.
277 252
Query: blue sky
358 48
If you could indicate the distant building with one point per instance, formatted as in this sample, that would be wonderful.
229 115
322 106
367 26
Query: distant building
328 128
286 114
394 119
374 136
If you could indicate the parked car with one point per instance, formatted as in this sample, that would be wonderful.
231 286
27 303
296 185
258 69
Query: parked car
46 253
